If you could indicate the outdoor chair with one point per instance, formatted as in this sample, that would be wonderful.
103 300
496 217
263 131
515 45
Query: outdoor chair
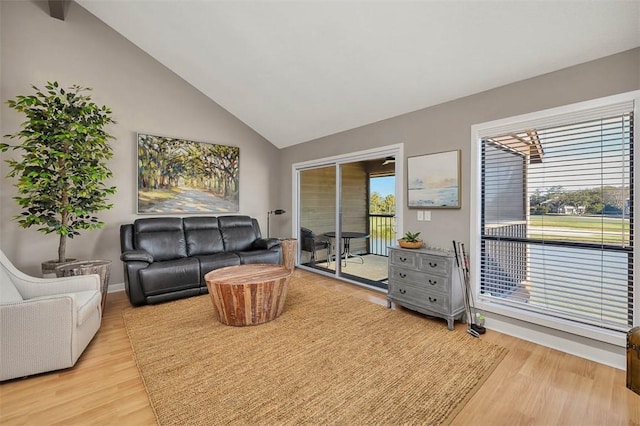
311 243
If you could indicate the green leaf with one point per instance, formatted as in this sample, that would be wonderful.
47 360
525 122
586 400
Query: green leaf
59 177
411 236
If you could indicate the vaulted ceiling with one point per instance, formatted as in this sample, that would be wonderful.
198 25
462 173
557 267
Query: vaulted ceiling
295 71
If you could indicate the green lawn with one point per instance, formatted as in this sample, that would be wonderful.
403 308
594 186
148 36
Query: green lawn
594 229
595 223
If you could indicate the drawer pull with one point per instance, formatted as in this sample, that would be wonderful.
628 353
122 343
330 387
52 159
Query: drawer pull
402 259
402 291
432 299
433 265
402 275
433 282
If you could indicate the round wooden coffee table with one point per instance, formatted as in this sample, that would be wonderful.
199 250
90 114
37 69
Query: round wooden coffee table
248 294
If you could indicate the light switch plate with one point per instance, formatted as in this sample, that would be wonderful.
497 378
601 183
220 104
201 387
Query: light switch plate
427 215
420 215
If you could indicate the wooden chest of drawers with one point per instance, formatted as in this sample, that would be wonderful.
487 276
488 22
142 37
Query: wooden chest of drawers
426 281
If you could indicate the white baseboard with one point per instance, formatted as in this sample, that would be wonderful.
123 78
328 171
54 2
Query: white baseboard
593 350
115 288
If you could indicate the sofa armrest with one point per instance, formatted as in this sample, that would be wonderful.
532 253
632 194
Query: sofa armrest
40 287
36 336
265 243
136 256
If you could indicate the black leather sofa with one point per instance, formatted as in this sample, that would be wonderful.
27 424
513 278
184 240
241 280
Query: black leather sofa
167 258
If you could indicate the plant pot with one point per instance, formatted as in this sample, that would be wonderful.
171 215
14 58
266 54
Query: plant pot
88 267
410 244
49 267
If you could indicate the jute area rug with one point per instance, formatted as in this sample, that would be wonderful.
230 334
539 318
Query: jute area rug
330 358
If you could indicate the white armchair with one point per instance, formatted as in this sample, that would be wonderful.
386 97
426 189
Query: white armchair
45 323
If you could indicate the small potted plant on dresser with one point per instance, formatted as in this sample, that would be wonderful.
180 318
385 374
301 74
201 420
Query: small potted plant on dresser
411 240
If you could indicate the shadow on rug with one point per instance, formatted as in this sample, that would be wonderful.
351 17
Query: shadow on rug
330 358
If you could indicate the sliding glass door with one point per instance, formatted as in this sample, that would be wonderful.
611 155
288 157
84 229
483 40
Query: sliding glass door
316 215
334 220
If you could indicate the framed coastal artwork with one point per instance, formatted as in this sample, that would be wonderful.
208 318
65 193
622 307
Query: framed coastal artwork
179 176
433 180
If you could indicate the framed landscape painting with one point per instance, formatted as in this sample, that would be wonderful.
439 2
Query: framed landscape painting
177 176
433 181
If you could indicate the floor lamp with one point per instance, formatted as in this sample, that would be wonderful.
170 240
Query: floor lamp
276 212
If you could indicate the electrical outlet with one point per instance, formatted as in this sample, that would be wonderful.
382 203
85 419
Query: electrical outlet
427 215
420 215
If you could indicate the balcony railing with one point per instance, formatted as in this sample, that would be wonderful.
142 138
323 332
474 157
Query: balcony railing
504 259
382 232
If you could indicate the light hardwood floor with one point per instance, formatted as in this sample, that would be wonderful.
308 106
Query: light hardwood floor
533 385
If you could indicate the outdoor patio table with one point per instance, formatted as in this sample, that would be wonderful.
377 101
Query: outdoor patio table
347 236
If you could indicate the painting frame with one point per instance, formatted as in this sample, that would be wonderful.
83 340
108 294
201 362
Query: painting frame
434 180
181 176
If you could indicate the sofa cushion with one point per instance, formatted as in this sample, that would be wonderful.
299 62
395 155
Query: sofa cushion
163 237
259 256
237 232
266 243
216 261
170 275
126 237
202 236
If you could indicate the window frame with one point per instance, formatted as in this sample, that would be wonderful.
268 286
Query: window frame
501 126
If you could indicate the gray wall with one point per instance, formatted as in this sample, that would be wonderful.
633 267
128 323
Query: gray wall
147 97
448 126
144 96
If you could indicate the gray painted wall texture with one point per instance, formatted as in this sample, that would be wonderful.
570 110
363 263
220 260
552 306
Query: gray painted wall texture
447 126
147 97
144 96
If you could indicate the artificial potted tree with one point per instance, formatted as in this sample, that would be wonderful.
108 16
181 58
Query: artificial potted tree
61 174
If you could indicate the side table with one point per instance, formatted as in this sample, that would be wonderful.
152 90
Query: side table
99 267
289 248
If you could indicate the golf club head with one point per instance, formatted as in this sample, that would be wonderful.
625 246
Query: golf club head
478 328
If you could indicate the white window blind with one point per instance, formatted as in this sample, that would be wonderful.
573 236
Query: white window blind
556 216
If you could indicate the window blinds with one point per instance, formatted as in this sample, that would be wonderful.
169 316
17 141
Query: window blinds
556 216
